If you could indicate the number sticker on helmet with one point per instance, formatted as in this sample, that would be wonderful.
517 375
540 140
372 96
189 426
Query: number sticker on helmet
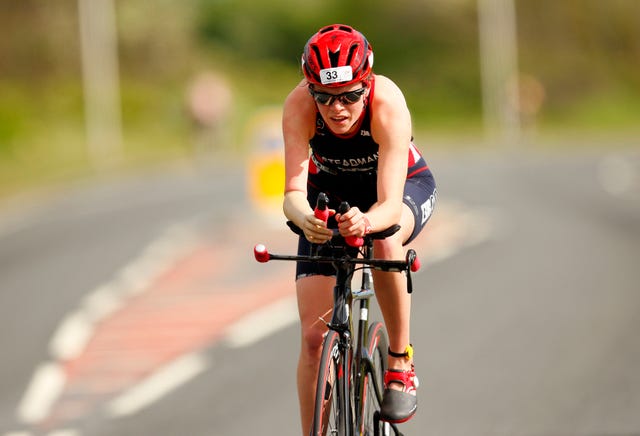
336 75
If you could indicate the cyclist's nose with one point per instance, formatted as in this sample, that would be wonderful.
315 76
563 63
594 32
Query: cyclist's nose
336 103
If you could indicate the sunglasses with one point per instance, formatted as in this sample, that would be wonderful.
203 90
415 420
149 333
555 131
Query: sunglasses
346 98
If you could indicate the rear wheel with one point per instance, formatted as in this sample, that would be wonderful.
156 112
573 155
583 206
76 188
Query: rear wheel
374 382
328 418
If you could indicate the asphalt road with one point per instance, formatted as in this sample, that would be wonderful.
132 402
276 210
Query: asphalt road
525 315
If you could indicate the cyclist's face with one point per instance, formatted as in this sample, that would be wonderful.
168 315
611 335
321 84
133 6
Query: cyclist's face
343 112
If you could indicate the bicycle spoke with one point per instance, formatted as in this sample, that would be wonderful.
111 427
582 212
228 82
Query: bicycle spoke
373 382
328 416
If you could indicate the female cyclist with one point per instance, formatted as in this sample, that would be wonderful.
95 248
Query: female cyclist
347 132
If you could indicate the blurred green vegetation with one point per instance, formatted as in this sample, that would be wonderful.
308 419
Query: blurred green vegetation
584 53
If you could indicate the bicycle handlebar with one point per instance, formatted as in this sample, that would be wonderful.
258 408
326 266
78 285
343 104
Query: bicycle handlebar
322 207
411 261
337 237
321 211
410 264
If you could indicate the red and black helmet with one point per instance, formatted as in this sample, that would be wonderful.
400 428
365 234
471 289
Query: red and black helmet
338 55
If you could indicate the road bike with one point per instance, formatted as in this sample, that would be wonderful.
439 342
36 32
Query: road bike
350 378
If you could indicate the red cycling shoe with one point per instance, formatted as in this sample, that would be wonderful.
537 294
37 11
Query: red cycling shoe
399 406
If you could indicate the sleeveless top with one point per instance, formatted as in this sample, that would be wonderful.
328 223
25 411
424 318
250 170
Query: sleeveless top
348 164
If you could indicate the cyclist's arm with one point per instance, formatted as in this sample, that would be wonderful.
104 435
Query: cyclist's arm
298 123
391 129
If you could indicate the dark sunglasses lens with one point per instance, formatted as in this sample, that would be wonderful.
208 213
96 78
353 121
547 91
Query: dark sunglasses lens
322 98
353 96
344 98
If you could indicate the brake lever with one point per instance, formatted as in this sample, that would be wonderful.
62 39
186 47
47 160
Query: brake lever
413 264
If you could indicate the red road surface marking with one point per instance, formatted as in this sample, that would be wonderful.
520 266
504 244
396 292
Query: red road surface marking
187 308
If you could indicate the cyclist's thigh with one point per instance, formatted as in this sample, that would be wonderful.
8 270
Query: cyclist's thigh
391 247
420 198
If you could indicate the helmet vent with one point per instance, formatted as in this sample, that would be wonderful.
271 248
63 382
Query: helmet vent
318 56
334 58
352 50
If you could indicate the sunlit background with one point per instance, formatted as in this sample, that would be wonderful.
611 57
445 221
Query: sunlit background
136 135
90 86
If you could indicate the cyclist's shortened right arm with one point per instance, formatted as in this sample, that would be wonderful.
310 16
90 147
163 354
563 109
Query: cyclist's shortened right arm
298 123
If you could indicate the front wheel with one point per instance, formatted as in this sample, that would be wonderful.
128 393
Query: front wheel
328 417
374 381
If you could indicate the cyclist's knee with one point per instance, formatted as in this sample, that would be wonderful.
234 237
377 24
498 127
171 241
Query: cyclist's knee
388 248
314 302
312 337
392 246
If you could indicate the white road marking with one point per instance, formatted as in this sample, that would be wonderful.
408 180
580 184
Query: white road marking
45 387
102 302
71 336
61 432
65 432
77 328
157 385
460 228
262 323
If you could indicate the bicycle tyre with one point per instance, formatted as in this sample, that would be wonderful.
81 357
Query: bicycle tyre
328 417
378 350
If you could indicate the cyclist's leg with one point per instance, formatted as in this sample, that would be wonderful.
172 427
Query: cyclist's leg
399 402
314 302
391 291
395 302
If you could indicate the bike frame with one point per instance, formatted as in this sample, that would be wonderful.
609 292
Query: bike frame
362 360
352 386
352 391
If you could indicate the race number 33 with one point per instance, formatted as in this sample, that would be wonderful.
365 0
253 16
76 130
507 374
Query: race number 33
336 75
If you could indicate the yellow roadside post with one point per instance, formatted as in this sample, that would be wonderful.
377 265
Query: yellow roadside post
265 166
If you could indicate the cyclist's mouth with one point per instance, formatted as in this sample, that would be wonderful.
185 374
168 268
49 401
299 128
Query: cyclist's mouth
341 120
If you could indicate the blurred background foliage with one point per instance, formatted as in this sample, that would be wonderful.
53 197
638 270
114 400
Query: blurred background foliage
584 54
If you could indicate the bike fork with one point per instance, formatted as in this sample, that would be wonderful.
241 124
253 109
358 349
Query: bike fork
345 386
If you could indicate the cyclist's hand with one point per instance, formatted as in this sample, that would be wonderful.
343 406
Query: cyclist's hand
353 223
315 229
